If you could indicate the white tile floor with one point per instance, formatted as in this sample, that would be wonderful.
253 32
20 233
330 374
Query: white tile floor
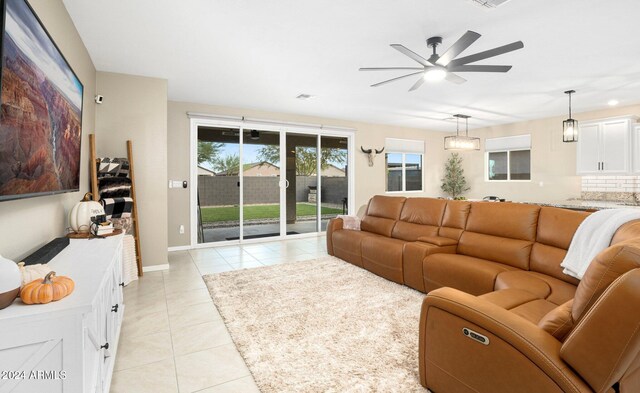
173 339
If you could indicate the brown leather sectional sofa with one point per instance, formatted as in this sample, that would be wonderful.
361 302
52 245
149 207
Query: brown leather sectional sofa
492 271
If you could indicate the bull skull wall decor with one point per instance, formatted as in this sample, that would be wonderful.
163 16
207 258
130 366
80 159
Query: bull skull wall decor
371 154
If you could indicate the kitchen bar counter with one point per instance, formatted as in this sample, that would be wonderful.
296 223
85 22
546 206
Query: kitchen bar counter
579 204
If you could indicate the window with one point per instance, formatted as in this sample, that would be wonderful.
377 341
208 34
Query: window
508 158
404 165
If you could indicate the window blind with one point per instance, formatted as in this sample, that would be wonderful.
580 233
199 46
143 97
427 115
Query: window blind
393 145
518 142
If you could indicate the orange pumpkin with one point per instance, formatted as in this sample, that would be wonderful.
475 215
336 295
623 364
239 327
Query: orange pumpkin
46 290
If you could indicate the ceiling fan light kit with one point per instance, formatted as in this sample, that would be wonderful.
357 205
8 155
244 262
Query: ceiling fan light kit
445 66
570 126
461 142
435 74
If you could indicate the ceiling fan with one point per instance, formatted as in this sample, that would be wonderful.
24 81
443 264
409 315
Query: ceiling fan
438 67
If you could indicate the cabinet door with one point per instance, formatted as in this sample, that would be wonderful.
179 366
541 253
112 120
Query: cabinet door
615 146
588 149
635 152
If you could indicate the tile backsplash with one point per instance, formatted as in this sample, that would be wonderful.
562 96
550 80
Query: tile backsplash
611 188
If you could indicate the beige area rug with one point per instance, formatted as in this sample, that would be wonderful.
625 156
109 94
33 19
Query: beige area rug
322 325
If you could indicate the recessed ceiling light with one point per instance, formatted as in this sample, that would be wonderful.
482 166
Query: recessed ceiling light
612 102
304 96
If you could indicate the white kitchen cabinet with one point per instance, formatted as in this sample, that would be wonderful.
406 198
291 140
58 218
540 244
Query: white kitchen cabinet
69 345
635 152
604 146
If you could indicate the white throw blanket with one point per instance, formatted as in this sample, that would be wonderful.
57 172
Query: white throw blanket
350 222
594 235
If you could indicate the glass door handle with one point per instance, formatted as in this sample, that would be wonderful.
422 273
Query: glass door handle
286 183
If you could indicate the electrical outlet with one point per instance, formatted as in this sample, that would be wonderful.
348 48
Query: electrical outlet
181 229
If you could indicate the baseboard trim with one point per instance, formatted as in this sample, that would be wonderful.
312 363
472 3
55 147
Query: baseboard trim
179 248
155 268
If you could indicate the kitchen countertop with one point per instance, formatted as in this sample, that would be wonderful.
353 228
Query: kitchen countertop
580 204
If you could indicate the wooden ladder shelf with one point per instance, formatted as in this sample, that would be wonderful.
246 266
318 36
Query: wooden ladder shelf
96 194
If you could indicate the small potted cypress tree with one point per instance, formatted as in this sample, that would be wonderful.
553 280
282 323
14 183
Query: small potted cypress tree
454 182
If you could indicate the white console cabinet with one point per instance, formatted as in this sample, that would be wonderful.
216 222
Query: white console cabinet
604 146
67 346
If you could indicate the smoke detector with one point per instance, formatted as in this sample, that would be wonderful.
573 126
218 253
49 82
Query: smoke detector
489 3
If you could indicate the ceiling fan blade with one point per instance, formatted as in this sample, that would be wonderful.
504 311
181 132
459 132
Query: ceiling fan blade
390 68
480 68
458 47
418 83
408 52
395 79
487 54
451 77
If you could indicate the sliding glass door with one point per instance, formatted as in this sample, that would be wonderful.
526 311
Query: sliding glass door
334 180
218 184
302 183
259 182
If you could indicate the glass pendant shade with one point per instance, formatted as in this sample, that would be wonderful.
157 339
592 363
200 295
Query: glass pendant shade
570 130
461 142
570 126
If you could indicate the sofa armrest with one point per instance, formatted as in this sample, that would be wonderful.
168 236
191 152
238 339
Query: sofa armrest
438 240
335 224
518 356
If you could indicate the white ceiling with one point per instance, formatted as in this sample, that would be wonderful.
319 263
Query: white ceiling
262 53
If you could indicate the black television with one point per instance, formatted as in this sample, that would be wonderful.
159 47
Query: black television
40 109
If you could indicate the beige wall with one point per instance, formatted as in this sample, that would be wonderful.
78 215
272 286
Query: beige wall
553 163
27 224
369 181
135 108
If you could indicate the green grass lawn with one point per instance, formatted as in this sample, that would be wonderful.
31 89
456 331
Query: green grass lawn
232 213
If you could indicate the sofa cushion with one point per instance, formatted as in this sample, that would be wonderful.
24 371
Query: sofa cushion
454 219
556 228
438 240
558 322
383 256
547 259
510 220
524 281
419 217
543 287
534 310
513 252
382 214
630 230
472 275
347 244
509 298
605 268
412 257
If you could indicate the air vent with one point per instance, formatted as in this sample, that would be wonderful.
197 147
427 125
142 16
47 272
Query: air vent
489 3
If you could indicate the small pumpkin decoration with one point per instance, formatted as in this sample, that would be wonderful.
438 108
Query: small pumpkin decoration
33 272
80 215
50 289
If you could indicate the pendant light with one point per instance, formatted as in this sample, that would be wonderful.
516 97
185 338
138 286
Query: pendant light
461 142
570 126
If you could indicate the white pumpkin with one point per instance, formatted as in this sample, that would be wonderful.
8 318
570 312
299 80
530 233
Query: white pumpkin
33 272
10 281
80 216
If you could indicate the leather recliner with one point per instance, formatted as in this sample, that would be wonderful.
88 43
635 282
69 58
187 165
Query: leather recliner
589 344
